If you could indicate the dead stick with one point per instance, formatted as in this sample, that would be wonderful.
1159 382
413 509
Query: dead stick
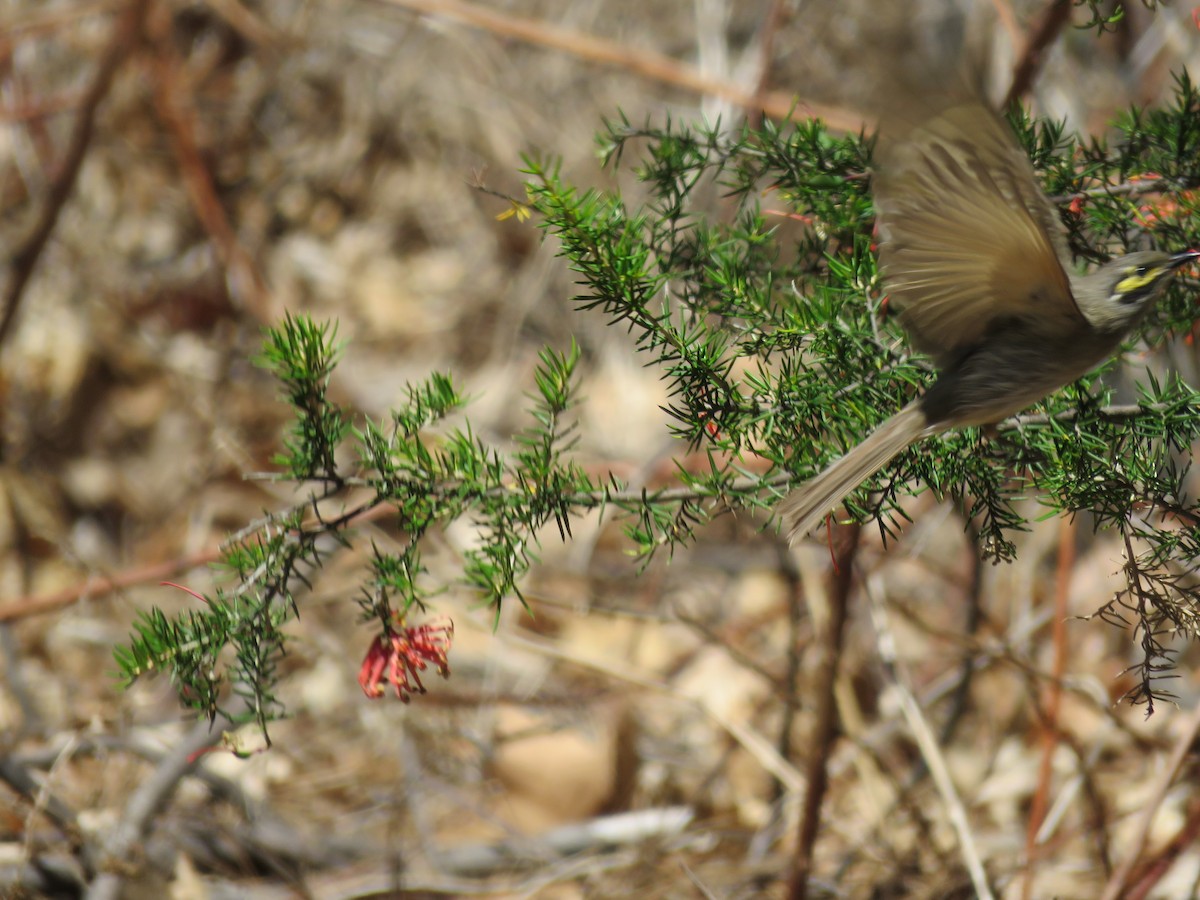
175 111
1168 771
1043 33
654 66
1053 700
95 587
770 28
817 772
24 259
121 843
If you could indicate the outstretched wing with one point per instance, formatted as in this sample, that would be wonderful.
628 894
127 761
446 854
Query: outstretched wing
967 238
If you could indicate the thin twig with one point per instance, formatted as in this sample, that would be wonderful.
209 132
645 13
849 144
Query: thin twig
96 587
1083 780
774 18
739 656
20 27
644 63
927 743
378 507
1166 778
987 651
826 727
1053 698
25 257
264 834
946 687
1041 35
44 107
750 740
620 829
15 773
1132 188
1008 20
791 683
148 800
249 25
974 619
1150 874
1125 411
175 110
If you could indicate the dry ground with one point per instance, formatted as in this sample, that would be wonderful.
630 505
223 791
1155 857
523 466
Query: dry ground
322 156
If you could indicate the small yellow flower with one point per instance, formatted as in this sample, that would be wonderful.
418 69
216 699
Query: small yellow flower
520 210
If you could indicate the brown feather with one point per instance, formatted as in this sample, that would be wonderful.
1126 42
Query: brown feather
974 258
966 236
803 509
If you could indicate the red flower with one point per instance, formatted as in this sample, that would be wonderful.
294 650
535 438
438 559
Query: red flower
711 427
400 654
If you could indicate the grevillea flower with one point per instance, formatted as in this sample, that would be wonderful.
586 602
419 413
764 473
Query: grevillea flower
1165 208
401 653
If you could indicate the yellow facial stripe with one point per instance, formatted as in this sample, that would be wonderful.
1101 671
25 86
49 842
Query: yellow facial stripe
1134 282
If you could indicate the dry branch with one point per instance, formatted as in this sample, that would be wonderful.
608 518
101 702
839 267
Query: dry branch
826 727
644 63
25 257
176 112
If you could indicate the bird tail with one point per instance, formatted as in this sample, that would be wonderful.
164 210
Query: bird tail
805 507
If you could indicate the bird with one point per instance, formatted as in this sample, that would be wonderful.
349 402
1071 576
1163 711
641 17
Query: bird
976 264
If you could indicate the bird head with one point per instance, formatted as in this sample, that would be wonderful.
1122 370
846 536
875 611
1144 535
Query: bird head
1118 294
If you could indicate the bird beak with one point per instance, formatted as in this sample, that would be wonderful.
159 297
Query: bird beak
1182 259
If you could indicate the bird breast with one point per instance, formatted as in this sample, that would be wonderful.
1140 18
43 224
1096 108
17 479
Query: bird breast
1011 370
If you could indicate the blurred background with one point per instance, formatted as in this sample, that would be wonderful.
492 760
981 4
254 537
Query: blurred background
326 156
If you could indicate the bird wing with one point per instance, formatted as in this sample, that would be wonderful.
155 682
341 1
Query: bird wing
967 238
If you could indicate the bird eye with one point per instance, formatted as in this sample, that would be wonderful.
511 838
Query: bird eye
1141 270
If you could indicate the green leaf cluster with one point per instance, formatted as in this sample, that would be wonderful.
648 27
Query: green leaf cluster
747 278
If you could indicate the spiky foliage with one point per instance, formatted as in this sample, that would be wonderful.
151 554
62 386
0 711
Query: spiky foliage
778 355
